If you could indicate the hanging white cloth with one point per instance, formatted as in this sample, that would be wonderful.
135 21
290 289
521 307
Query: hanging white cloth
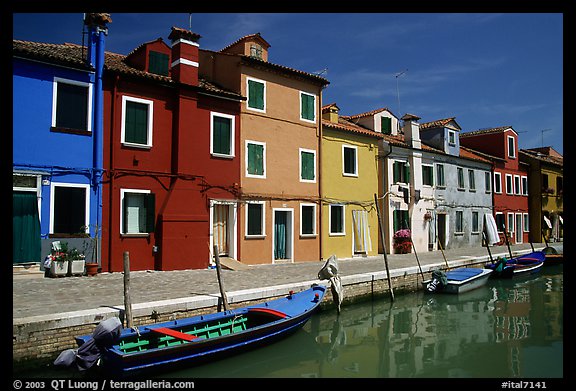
491 229
548 223
561 219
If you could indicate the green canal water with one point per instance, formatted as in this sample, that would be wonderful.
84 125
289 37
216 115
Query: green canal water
509 329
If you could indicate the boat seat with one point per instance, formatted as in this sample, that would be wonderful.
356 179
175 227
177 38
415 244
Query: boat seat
174 333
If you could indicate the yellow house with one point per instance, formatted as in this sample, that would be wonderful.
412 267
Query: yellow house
349 181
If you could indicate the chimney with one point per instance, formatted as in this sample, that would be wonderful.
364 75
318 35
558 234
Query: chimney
330 113
185 47
97 28
412 130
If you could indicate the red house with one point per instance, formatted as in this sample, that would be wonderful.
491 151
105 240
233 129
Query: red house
510 178
170 158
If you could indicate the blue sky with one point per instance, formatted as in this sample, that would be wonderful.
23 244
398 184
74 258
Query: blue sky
487 70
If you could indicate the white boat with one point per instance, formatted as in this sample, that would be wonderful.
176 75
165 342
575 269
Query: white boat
459 280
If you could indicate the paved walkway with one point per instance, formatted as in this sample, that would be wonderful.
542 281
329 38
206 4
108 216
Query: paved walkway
51 296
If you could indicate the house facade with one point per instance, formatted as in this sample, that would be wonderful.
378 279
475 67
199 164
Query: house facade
510 175
57 143
546 186
172 162
349 174
278 217
462 182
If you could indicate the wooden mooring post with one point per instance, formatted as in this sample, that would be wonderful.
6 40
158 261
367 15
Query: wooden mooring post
127 298
384 247
220 282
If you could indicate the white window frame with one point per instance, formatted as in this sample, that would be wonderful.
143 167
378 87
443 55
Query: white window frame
451 136
77 83
517 189
477 231
314 224
458 170
248 175
248 78
511 224
499 229
263 221
509 189
498 182
471 179
343 233
508 139
461 214
300 150
437 182
84 186
300 107
126 98
355 148
524 181
525 222
432 167
122 194
488 181
232 134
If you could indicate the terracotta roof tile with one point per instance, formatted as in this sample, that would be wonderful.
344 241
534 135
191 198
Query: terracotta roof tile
437 123
486 131
535 154
350 127
368 113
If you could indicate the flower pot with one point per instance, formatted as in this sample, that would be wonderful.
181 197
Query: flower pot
59 268
91 269
76 267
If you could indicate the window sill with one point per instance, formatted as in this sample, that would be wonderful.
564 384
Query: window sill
135 235
81 132
139 146
337 234
255 237
461 189
308 236
222 156
350 175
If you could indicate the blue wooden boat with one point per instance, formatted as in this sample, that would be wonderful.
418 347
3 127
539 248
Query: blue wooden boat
459 280
206 337
518 266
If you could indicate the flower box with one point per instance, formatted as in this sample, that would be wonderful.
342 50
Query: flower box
76 267
59 268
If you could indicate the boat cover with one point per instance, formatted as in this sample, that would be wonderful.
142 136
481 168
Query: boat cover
462 274
330 272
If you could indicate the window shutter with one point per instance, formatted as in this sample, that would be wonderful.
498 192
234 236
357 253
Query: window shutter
307 159
255 159
307 110
72 106
396 172
407 173
158 63
136 123
386 125
221 142
150 209
255 95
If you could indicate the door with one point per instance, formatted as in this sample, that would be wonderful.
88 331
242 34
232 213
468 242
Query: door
518 228
26 245
282 234
361 239
441 229
220 228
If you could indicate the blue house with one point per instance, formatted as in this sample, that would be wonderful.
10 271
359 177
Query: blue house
57 143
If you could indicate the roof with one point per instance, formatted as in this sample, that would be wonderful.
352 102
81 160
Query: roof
438 123
246 37
471 154
69 54
282 69
398 140
368 113
347 126
542 157
479 132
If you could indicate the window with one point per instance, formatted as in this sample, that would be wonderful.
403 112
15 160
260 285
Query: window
471 180
307 107
158 63
222 134
255 159
544 182
525 223
509 185
500 222
336 217
517 184
427 175
487 182
349 160
72 105
137 121
137 211
440 175
401 172
256 94
255 219
524 185
307 219
511 147
459 221
475 223
307 165
400 219
559 185
70 206
497 182
510 222
386 125
256 51
461 178
451 138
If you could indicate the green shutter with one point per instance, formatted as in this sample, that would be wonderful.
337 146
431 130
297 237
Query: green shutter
396 172
158 63
221 142
386 125
255 159
136 126
150 208
307 170
254 219
406 173
307 109
26 242
255 95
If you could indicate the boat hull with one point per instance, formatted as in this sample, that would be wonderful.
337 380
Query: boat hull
163 347
463 280
523 265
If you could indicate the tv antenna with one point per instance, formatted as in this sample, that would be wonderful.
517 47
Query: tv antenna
542 134
398 88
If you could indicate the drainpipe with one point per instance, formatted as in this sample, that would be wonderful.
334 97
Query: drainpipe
319 170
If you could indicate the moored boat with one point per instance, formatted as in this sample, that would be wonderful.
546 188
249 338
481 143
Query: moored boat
458 280
521 265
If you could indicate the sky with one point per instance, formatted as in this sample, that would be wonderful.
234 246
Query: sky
485 69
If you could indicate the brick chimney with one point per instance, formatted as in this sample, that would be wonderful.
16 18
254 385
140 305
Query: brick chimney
185 47
412 131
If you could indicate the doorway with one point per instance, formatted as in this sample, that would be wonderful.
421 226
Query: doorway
441 229
223 228
283 239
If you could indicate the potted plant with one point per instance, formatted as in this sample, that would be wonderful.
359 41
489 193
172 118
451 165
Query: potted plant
402 243
76 262
427 216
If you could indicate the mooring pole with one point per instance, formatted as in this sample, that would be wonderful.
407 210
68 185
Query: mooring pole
220 282
384 247
127 299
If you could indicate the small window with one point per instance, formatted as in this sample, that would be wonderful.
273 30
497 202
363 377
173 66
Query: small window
255 159
307 165
136 121
524 185
510 222
255 219
256 51
386 125
475 223
461 184
70 208
401 172
497 183
509 184
511 147
517 189
440 175
307 107
525 223
72 108
307 219
487 182
559 185
427 175
350 160
158 63
336 220
138 211
256 94
471 180
451 138
400 219
500 222
459 221
222 135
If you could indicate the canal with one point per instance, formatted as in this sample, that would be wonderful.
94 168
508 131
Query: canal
509 329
